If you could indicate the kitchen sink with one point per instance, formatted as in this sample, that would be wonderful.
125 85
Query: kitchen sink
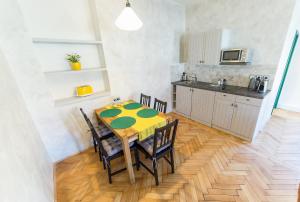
214 85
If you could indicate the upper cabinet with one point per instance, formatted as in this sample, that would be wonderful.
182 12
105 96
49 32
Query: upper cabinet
205 47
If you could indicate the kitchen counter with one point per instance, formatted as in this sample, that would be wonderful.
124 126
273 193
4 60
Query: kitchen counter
236 90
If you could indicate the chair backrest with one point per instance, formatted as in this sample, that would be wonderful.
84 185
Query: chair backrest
91 126
164 137
88 121
160 105
145 100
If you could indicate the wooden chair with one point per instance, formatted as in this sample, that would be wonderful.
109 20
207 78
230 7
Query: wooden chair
158 146
145 100
110 149
160 105
101 130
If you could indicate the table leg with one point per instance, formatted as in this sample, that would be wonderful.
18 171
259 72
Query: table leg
128 160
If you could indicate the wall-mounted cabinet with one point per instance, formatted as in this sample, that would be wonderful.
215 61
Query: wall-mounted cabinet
205 47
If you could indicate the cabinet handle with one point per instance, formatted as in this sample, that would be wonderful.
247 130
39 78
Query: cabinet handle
232 104
248 99
236 105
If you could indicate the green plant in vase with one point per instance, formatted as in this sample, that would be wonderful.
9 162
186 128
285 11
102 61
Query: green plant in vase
74 60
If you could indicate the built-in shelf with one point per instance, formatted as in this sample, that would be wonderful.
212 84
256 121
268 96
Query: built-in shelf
66 41
75 99
75 72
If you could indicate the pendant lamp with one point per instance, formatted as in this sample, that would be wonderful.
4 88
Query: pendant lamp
128 20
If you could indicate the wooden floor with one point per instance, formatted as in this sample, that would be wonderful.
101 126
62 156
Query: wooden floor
210 166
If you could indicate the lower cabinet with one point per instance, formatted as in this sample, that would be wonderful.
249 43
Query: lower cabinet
223 112
235 114
184 100
202 106
196 104
244 120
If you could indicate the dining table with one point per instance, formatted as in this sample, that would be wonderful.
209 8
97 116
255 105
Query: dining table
131 121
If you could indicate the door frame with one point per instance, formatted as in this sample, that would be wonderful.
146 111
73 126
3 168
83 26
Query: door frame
287 66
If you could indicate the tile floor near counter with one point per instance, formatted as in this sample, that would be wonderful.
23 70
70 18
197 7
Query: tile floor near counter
210 166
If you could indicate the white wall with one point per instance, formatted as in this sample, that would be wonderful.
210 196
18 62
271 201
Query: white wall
136 61
290 97
26 170
260 25
16 44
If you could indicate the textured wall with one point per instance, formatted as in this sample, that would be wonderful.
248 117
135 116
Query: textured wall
140 61
136 61
16 44
26 170
260 25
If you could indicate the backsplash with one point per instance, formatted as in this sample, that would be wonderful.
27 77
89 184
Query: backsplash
237 75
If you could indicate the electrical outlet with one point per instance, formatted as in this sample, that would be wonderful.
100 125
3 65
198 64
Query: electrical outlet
116 100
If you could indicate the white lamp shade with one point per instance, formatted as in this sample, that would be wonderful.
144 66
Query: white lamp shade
128 20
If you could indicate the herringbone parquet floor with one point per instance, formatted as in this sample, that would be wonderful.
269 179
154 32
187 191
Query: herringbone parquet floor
210 166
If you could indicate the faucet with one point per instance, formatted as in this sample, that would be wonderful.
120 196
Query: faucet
194 77
222 82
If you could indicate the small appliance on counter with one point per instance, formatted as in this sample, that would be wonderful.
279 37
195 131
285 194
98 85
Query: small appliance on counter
184 77
263 85
82 91
258 83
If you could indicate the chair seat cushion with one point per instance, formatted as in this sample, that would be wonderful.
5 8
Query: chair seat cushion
103 130
147 144
113 145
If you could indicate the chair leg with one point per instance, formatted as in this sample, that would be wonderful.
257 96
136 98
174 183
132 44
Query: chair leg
103 162
109 171
95 145
137 159
154 163
100 155
172 160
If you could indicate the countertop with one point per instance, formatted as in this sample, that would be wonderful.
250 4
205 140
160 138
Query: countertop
235 90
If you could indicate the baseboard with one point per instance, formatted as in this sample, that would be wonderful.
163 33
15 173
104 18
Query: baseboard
289 107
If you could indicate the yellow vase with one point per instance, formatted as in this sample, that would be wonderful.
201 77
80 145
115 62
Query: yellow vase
76 66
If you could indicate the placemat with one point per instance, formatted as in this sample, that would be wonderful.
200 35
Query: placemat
131 106
123 122
110 113
147 113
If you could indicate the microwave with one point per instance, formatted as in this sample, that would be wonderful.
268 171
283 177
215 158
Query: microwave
235 56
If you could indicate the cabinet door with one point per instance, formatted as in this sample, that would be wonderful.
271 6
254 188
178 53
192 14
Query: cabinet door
202 106
244 120
223 112
213 40
183 100
196 48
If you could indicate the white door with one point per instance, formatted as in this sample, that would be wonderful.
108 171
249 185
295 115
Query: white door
202 106
183 100
244 120
223 112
